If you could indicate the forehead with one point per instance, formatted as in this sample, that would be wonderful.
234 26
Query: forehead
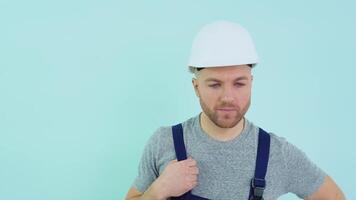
225 73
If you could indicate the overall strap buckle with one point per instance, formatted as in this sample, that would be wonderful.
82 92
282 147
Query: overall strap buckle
258 183
258 187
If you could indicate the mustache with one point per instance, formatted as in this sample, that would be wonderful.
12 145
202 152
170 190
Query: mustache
226 105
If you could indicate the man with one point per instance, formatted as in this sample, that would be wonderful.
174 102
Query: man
219 154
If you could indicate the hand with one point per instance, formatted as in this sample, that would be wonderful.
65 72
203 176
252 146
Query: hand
178 177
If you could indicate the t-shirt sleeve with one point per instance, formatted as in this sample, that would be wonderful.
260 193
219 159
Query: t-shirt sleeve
303 176
147 170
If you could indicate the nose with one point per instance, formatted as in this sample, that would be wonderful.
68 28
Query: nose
227 95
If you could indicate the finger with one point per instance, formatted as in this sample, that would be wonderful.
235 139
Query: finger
173 161
190 158
193 178
194 170
193 184
191 163
186 160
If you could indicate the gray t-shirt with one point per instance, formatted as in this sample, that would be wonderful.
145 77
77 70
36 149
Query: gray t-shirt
226 167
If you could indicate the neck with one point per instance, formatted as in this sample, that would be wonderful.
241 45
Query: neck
218 133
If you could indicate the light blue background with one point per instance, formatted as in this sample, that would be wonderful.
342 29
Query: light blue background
83 85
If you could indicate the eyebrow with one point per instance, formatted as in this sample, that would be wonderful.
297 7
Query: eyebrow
217 80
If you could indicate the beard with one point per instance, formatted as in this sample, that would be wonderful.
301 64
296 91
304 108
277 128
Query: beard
225 120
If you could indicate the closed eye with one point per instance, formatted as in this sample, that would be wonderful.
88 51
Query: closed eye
239 84
214 85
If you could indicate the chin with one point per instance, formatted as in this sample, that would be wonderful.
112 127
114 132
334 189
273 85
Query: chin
226 124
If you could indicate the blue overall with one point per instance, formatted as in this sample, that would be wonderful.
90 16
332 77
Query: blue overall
258 182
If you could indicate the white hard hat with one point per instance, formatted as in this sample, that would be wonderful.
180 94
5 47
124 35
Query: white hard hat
222 43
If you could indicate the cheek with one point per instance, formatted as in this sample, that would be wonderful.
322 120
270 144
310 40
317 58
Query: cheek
209 96
244 96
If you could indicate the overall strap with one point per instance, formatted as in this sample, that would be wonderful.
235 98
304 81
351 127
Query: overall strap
181 154
258 183
178 140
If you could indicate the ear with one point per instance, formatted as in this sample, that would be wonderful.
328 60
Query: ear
251 82
195 86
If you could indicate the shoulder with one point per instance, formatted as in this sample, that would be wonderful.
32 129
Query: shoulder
277 152
277 140
162 139
284 152
282 145
161 136
301 175
290 152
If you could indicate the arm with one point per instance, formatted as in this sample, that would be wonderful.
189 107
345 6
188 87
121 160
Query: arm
327 191
177 178
152 193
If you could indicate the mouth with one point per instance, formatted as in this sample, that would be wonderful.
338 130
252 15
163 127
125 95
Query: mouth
226 109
